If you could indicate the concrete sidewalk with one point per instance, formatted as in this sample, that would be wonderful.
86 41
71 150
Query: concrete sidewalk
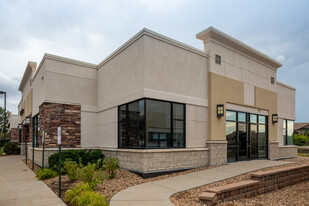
19 186
158 192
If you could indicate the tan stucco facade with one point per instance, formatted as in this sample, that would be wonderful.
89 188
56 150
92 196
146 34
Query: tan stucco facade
150 65
222 90
266 99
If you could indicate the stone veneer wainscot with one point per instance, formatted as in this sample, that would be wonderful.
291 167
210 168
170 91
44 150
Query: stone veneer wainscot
68 116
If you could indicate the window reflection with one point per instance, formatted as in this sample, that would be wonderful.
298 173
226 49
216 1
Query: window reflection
262 141
290 131
230 115
158 121
151 123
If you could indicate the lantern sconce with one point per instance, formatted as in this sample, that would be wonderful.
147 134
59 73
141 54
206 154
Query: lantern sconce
220 110
275 118
27 121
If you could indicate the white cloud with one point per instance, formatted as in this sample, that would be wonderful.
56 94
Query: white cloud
162 5
280 58
89 30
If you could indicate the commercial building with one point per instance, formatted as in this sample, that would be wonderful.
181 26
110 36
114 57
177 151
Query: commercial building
160 105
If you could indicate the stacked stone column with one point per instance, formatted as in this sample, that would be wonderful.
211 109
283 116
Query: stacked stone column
217 152
68 116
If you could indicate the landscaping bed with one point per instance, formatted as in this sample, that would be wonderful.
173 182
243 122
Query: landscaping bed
124 179
191 197
108 187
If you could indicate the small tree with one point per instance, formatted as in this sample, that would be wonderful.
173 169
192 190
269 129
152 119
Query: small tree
300 139
3 133
307 133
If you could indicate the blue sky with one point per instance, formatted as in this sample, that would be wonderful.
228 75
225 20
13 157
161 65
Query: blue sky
90 30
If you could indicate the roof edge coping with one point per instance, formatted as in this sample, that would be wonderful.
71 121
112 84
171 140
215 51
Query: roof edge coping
210 31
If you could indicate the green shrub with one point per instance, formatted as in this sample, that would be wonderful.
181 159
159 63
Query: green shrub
11 148
90 156
53 160
3 141
1 152
91 198
71 169
72 195
307 133
88 174
110 165
43 174
300 139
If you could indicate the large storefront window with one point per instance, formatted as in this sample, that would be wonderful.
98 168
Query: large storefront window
246 135
148 123
288 132
36 129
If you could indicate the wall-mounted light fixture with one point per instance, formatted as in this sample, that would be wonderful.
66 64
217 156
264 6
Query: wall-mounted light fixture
220 110
27 121
21 112
275 118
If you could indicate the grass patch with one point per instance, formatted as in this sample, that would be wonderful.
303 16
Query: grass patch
303 154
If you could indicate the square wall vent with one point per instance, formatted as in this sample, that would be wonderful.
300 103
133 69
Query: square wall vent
218 59
272 80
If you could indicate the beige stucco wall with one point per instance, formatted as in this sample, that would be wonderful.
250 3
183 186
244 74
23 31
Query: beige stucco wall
14 120
66 82
107 128
196 126
286 101
154 68
286 107
174 74
121 79
89 128
26 102
241 67
39 90
70 83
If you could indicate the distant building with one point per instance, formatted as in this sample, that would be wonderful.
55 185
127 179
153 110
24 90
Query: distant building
161 105
301 128
13 120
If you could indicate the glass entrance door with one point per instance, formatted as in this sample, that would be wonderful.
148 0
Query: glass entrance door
242 141
246 135
253 141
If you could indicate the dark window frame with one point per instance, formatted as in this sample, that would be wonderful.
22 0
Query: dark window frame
285 130
172 120
36 130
